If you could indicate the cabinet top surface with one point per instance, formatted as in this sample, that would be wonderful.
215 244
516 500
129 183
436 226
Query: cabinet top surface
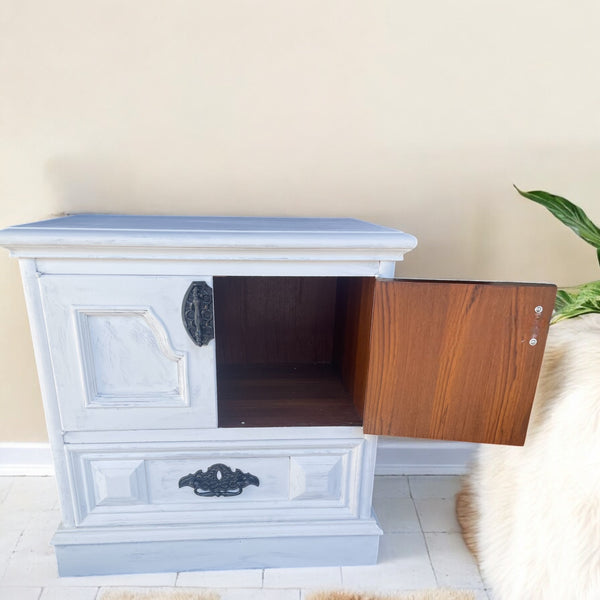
135 231
167 223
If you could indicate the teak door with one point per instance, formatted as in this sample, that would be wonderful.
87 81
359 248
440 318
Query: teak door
454 360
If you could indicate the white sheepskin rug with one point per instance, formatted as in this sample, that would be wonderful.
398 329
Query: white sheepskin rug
531 514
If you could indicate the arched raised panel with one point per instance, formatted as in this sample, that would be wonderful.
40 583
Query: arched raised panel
127 359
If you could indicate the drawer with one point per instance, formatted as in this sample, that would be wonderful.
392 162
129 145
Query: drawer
281 480
121 356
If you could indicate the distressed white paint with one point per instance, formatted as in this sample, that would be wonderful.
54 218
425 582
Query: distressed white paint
131 405
137 368
118 482
317 477
127 359
41 347
199 551
304 265
225 238
234 438
300 480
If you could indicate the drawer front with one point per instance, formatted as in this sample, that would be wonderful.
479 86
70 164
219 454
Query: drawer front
121 355
276 481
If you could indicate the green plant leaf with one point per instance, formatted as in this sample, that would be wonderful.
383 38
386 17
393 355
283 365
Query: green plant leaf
580 300
568 213
583 299
563 299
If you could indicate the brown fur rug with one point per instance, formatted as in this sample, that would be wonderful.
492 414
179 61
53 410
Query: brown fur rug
169 594
438 594
467 515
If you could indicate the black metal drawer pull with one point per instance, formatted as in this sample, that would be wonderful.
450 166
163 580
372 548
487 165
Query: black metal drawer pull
219 480
197 313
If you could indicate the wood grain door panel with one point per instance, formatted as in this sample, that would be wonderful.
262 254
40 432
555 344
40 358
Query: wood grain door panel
455 360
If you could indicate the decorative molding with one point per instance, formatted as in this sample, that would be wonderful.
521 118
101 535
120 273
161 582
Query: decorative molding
96 398
116 482
222 238
318 477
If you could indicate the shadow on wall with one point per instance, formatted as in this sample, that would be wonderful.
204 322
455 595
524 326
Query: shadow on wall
174 185
453 229
459 202
397 189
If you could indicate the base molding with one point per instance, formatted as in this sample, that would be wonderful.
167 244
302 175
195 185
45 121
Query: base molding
25 458
402 456
394 457
177 553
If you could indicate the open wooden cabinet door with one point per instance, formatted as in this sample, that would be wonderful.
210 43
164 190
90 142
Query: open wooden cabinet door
454 360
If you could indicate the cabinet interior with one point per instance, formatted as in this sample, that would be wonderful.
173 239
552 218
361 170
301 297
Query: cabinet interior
291 351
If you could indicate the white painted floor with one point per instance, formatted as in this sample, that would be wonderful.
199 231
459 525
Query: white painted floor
422 548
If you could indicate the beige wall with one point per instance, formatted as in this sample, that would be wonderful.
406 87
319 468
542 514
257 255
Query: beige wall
418 115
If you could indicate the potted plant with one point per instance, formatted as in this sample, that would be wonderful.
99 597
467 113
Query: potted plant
531 514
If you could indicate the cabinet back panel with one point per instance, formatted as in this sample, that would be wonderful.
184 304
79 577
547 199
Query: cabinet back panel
274 320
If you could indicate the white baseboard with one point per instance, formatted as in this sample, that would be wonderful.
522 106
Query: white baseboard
21 458
394 457
402 456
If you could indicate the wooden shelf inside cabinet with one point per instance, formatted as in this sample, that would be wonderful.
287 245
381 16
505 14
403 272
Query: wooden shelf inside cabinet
284 395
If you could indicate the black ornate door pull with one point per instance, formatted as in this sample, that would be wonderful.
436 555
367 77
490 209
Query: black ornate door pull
197 313
219 480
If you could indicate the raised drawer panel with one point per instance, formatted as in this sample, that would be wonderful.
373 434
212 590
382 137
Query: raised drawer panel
118 483
296 481
314 477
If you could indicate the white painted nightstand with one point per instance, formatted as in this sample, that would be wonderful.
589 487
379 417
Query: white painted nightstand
213 387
